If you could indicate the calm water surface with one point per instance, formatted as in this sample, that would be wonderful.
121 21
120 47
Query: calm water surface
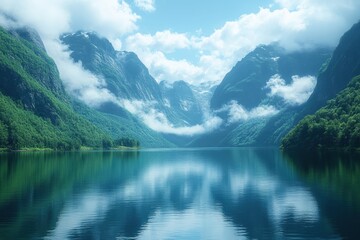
234 193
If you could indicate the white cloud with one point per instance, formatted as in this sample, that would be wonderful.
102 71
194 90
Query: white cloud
157 121
87 87
296 93
146 5
295 24
168 69
165 41
110 18
237 112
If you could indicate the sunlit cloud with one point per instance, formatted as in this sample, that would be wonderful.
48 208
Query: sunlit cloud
158 121
295 25
79 82
295 93
237 112
51 18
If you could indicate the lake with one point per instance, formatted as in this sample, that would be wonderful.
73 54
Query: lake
216 193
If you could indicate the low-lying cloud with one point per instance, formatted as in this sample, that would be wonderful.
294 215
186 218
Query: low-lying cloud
237 112
295 93
79 82
157 120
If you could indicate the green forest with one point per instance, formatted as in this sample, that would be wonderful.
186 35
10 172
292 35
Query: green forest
337 125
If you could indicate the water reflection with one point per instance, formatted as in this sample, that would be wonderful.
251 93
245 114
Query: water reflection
334 178
173 194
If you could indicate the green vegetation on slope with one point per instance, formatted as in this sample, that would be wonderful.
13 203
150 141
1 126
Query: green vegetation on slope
35 111
337 125
120 124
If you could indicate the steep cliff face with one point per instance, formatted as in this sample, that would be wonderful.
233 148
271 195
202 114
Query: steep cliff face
336 75
125 75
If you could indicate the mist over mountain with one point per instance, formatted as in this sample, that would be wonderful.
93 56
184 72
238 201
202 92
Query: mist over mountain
168 109
35 109
123 73
265 82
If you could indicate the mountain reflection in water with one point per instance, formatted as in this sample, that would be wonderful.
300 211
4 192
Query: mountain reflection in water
225 193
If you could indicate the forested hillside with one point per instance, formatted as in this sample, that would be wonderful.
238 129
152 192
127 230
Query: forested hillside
35 110
337 125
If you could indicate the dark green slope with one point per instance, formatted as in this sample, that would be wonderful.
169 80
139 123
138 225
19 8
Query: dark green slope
337 125
35 111
333 78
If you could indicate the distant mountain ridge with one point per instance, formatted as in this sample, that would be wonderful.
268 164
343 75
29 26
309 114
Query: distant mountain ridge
127 78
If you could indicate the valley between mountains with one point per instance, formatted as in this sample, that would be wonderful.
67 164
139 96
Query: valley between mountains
305 99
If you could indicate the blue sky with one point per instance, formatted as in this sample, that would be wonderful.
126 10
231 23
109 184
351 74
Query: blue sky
200 41
192 40
193 15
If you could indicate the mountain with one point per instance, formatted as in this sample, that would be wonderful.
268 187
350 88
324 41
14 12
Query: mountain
180 98
333 78
247 82
35 110
337 125
125 75
244 98
336 75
